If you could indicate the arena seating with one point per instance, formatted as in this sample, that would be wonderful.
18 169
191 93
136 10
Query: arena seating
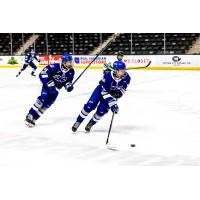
18 39
60 43
152 43
5 42
85 43
57 43
5 46
179 43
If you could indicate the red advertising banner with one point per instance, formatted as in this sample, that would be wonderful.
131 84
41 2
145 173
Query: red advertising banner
49 60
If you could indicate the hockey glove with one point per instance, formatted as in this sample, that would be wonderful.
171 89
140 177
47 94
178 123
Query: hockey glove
69 87
107 68
51 87
113 106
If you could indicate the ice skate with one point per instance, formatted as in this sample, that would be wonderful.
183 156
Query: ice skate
75 126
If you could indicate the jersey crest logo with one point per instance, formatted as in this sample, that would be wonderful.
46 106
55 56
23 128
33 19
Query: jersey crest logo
60 78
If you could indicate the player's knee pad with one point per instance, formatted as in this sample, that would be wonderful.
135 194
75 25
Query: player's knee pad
101 113
52 98
49 102
44 96
89 107
47 105
38 104
102 109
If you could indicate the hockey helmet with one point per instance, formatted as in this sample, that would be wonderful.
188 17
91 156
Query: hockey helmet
119 65
120 55
67 62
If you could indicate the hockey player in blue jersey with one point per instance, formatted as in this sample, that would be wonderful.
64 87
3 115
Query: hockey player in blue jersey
111 87
29 61
53 78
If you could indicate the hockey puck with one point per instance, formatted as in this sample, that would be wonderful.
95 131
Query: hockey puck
133 145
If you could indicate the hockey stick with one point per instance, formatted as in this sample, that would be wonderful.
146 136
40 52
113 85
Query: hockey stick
109 146
111 122
139 67
97 55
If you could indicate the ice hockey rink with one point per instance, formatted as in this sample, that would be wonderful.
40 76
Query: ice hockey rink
160 113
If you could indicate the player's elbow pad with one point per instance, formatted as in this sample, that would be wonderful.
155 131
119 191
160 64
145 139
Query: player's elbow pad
105 94
107 97
101 82
44 78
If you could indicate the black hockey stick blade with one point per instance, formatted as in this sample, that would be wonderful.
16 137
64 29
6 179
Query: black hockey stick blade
140 67
111 147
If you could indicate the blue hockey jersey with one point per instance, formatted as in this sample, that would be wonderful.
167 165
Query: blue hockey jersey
54 72
116 88
30 57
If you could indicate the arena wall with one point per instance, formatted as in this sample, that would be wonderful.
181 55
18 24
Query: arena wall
158 62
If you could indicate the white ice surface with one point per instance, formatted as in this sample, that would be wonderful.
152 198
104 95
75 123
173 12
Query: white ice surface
160 113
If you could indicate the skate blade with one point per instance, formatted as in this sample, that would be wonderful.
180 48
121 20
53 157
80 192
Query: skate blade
87 132
28 124
74 132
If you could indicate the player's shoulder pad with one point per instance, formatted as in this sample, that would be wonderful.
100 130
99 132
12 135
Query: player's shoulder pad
55 66
107 75
104 78
127 78
71 72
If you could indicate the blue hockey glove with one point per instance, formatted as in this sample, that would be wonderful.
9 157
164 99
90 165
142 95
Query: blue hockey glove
114 108
51 87
69 87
